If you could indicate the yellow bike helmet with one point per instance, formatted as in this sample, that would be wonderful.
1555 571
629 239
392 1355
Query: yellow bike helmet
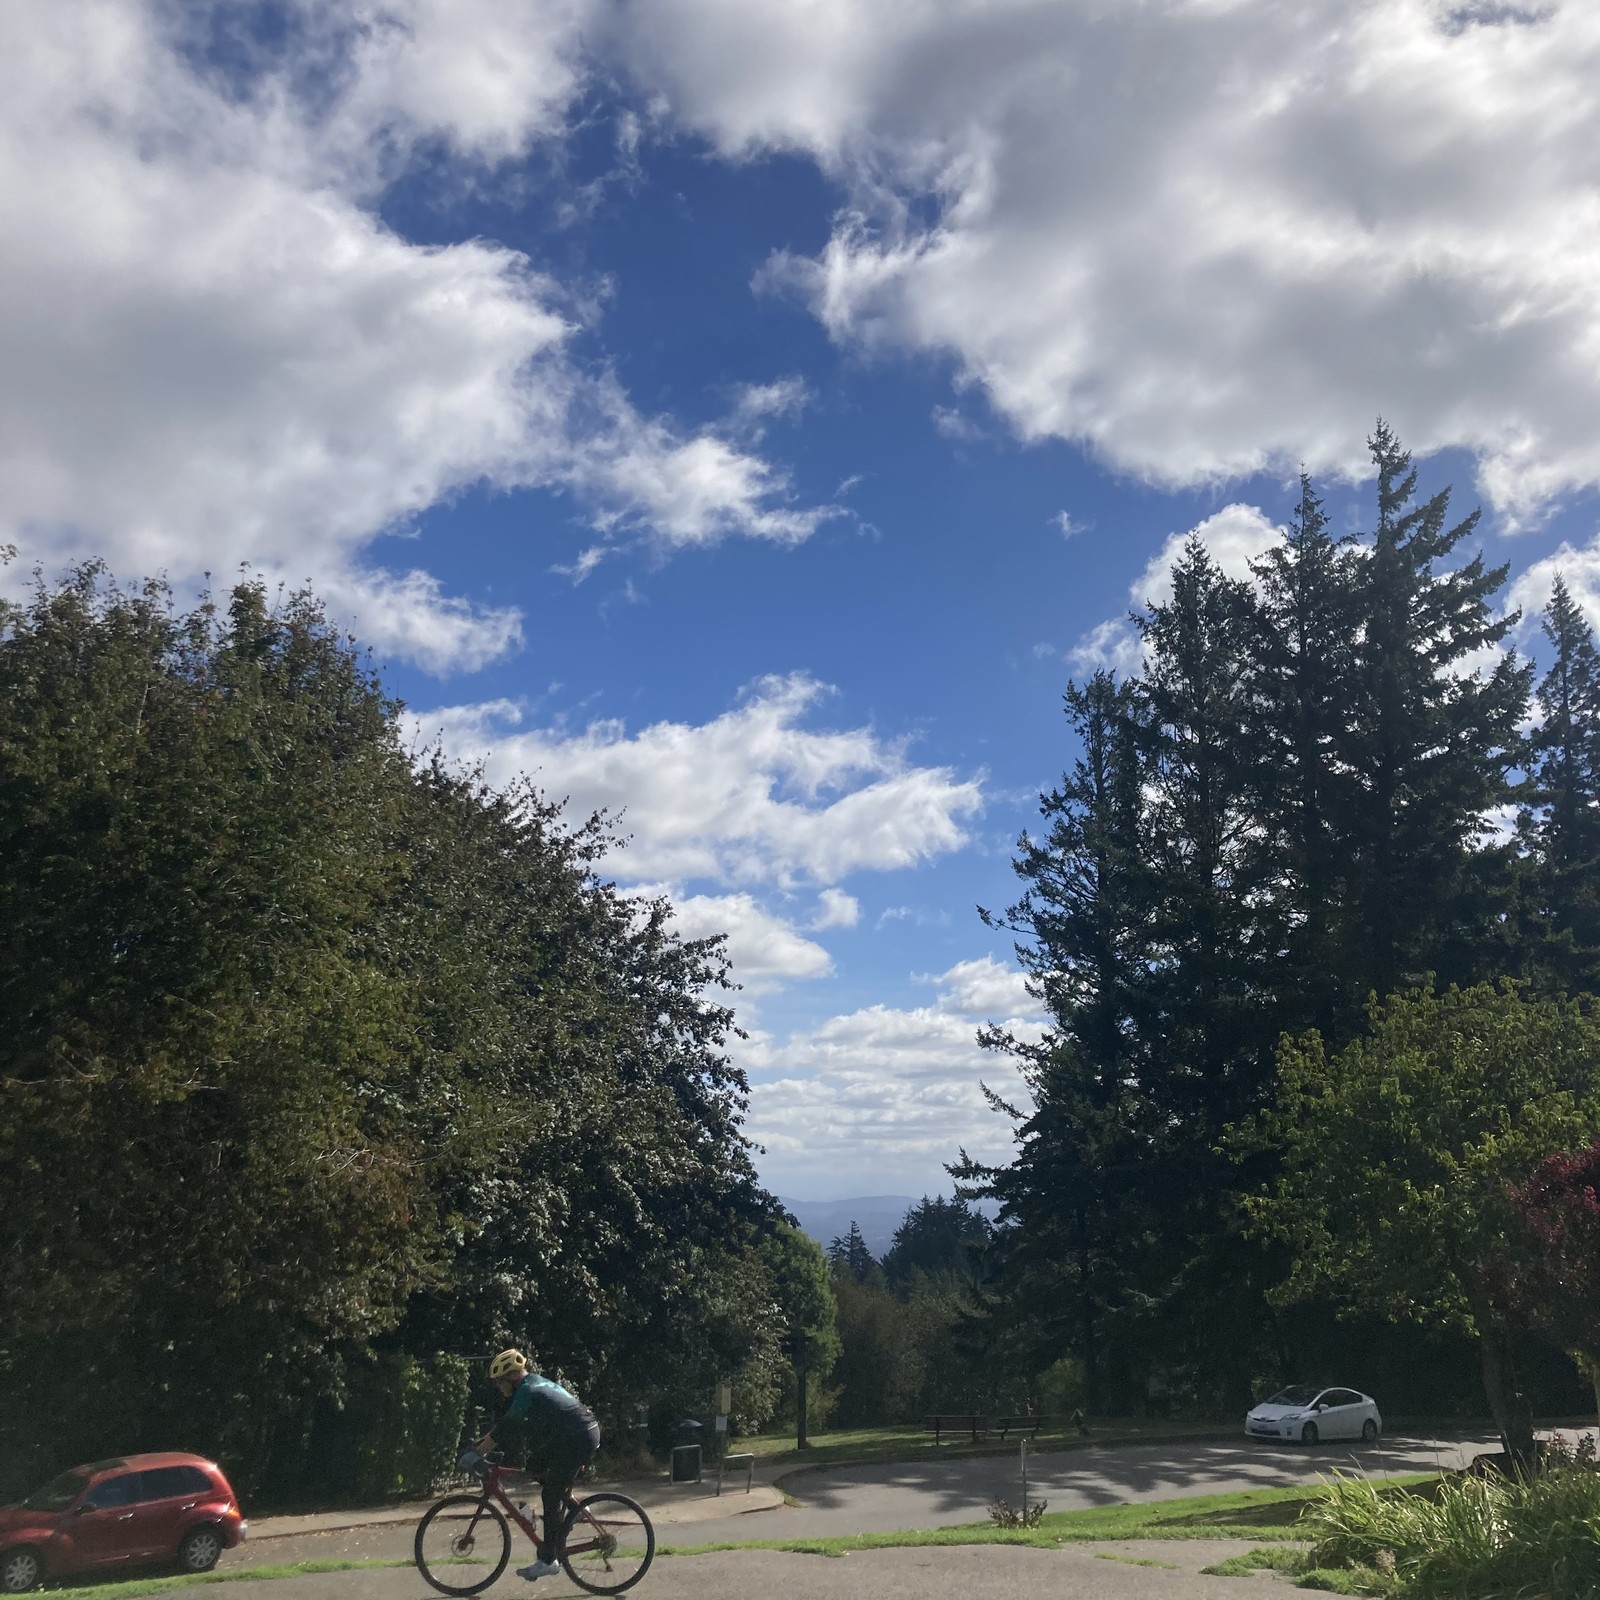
509 1364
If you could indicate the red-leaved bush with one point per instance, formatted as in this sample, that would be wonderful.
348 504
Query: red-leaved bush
1559 1279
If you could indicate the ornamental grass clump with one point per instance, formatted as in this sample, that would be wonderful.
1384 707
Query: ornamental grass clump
1474 1539
1003 1515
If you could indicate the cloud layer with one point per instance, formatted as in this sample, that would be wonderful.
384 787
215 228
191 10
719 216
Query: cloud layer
1233 537
213 350
1203 239
751 797
888 1091
766 951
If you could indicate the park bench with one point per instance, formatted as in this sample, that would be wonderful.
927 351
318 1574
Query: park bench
962 1423
1028 1425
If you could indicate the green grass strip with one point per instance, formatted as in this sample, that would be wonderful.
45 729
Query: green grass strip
1256 1514
843 1544
1283 1559
906 1443
1345 1580
130 1587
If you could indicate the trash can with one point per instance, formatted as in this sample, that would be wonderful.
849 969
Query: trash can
686 1453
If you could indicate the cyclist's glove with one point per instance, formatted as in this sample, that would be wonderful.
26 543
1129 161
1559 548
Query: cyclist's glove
469 1460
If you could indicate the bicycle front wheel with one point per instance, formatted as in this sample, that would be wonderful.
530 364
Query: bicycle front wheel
609 1544
462 1544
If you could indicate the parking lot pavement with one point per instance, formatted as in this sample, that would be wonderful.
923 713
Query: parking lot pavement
929 1493
970 1572
933 1493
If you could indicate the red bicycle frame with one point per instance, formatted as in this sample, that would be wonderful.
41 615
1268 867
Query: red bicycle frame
493 1489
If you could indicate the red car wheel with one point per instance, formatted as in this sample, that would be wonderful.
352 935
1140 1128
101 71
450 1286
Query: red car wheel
200 1549
20 1570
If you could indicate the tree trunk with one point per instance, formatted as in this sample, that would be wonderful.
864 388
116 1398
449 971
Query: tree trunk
1091 1354
801 1442
1513 1415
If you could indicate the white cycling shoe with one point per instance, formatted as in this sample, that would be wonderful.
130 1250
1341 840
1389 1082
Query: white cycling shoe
540 1569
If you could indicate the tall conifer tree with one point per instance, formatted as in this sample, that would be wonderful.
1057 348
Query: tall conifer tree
1305 668
1561 812
1431 745
1082 919
1207 978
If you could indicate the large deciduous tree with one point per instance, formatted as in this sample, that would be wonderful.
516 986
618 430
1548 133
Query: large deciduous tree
309 1052
807 1312
1399 1152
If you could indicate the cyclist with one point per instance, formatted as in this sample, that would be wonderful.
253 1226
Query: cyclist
562 1438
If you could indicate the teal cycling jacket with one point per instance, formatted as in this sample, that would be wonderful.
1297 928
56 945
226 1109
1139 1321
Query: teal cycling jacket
555 1419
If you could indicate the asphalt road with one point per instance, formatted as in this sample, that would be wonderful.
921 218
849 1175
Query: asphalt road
932 1493
993 1572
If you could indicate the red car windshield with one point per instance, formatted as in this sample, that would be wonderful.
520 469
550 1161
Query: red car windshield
58 1494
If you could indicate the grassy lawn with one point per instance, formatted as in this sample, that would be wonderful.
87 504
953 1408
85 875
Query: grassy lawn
907 1442
1260 1514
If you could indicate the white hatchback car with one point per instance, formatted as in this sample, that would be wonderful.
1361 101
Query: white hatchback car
1311 1415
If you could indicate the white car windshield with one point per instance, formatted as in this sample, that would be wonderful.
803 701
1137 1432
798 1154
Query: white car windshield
1297 1394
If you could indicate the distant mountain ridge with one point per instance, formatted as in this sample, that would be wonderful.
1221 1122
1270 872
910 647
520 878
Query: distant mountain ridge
876 1215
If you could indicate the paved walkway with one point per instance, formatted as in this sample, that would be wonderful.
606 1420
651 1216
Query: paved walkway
971 1572
933 1493
668 1504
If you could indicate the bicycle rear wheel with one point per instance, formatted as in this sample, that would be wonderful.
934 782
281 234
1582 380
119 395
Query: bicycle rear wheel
609 1544
462 1544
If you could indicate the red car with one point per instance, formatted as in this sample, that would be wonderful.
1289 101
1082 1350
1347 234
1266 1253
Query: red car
164 1507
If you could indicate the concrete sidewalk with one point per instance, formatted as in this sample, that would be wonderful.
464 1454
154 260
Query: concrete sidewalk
667 1503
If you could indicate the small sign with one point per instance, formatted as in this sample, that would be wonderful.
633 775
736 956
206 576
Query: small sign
721 1423
723 1400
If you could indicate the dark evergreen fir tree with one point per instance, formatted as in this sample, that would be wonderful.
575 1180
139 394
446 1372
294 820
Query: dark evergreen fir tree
849 1256
1305 692
1207 982
1071 1206
1561 808
1431 746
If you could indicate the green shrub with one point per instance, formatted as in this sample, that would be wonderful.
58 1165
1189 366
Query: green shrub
410 1415
1476 1537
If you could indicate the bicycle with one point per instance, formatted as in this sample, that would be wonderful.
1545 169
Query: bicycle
614 1552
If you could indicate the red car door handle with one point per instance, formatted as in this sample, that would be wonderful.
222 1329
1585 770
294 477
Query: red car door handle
127 1516
190 1507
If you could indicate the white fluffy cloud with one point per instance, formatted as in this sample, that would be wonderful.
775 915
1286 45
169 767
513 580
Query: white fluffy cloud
1202 238
1531 589
1233 537
213 350
765 950
749 797
836 909
985 988
896 1092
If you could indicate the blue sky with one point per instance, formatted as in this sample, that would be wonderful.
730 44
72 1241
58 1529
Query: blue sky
750 416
